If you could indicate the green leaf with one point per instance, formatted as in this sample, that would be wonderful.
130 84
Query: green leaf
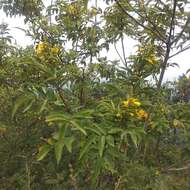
19 102
109 165
43 106
59 150
43 152
78 127
86 147
68 141
57 117
102 145
133 136
61 132
94 130
84 114
28 106
134 139
96 172
110 140
115 131
100 129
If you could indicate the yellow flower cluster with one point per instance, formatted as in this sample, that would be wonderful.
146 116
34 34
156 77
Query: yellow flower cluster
141 114
152 59
55 50
43 47
72 9
131 102
2 130
134 102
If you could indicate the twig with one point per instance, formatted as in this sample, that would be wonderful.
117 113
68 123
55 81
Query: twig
123 50
119 54
178 169
184 49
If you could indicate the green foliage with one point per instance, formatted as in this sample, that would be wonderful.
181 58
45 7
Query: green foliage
72 119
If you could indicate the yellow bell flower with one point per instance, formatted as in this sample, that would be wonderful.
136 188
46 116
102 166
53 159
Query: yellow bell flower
131 114
55 50
40 48
131 102
157 172
2 130
152 59
72 9
50 141
141 114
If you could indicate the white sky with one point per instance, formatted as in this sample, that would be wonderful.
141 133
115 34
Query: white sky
182 59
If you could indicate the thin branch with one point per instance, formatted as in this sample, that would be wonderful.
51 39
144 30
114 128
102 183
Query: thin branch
152 23
119 54
137 22
184 49
178 169
182 31
61 95
123 50
168 45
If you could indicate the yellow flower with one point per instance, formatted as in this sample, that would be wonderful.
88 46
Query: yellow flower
178 124
131 114
141 114
72 9
118 115
93 11
151 60
157 172
40 48
55 50
131 102
2 130
50 141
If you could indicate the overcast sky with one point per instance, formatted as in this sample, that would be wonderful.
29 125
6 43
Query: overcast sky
173 72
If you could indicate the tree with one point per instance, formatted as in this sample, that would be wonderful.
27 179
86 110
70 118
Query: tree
97 123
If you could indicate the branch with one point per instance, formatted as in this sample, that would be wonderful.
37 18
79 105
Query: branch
61 95
184 49
182 31
138 23
123 49
159 35
178 169
118 54
168 46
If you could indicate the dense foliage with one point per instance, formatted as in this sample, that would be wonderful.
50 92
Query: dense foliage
73 118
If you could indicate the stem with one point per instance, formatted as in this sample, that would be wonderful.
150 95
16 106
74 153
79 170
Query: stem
28 174
119 54
61 95
184 49
123 49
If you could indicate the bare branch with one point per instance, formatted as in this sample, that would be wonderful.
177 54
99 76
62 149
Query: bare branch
119 54
178 169
123 49
184 49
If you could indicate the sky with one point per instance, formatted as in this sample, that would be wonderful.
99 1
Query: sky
22 40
